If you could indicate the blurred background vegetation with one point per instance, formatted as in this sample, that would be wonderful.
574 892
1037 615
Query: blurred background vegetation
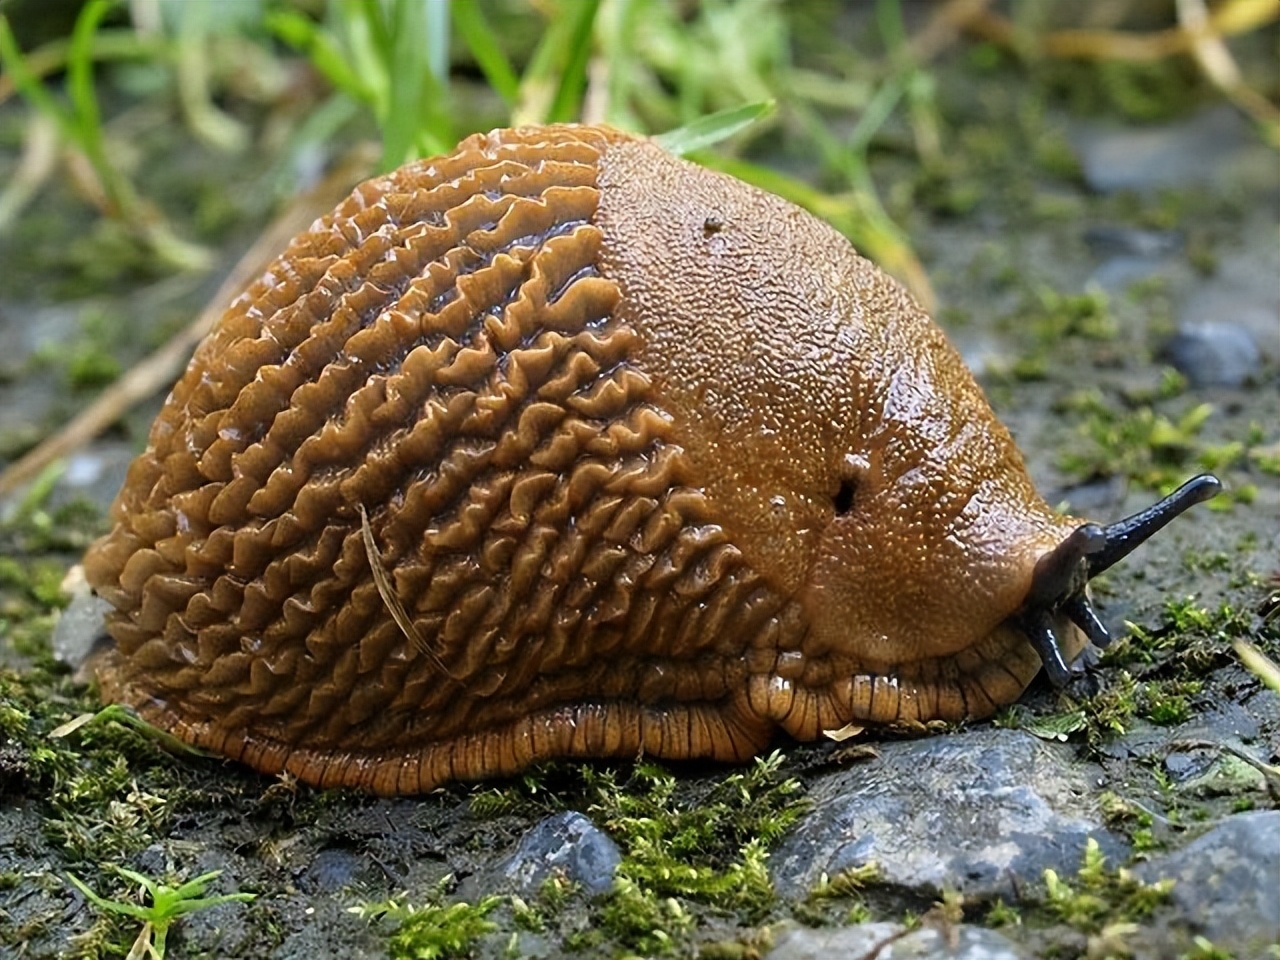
144 139
299 81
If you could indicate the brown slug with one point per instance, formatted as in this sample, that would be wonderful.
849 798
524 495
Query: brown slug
561 446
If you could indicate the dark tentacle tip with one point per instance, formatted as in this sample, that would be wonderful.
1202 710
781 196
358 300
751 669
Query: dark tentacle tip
1038 627
1080 610
1060 576
1123 536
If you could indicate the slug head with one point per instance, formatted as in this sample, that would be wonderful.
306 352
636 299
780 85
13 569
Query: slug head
854 459
1060 576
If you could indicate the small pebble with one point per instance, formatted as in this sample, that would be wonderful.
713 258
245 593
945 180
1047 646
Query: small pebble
1146 158
1119 240
1226 885
567 843
1214 354
890 941
81 625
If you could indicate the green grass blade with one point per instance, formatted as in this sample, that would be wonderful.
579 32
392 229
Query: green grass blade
437 26
624 59
573 79
556 76
379 17
881 107
892 29
111 906
711 129
483 43
409 71
84 102
26 83
151 886
307 37
127 718
109 44
194 905
355 25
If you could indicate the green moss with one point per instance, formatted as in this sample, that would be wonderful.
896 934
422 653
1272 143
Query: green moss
1055 155
689 847
1045 319
526 916
1168 702
1100 896
644 921
680 851
104 791
1191 640
947 188
1111 712
1153 449
555 892
88 367
753 945
1268 461
849 886
1144 840
1053 315
543 789
1000 914
845 883
1191 637
1203 949
1135 90
111 252
1214 561
433 931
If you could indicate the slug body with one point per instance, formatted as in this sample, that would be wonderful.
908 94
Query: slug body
561 446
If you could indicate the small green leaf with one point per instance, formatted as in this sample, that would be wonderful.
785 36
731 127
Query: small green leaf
127 718
111 906
468 17
709 130
1057 727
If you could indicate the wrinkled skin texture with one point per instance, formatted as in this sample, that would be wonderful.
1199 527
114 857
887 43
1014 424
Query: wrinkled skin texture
652 460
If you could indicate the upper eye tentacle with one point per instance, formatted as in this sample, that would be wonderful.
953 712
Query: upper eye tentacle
1125 535
1060 576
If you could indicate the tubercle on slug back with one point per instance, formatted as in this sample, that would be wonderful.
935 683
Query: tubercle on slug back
638 485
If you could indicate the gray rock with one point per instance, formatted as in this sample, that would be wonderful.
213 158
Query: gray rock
567 843
95 474
976 812
1144 158
80 627
1118 273
1228 882
1182 766
842 943
1121 240
334 868
1128 254
1226 775
1214 354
